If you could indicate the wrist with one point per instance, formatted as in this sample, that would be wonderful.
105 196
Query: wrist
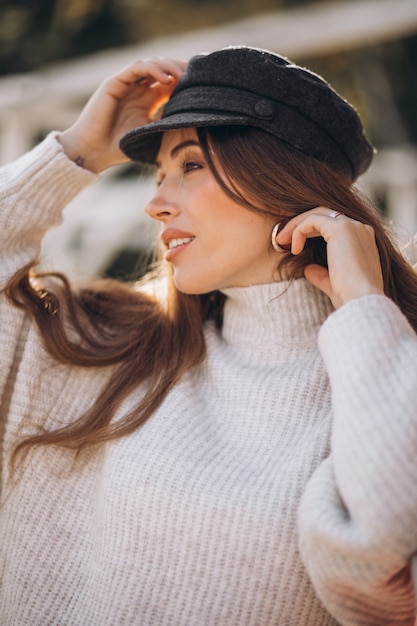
356 294
80 153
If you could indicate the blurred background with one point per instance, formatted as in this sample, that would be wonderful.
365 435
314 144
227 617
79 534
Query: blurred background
54 53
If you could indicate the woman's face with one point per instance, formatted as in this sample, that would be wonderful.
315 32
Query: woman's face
211 241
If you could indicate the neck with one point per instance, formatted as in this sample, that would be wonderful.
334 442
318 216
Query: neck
271 321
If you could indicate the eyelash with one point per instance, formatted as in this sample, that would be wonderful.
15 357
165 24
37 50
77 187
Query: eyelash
188 166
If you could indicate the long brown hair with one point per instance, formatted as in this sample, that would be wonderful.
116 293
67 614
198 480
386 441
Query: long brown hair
157 340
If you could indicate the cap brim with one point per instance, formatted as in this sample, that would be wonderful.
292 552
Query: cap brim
142 143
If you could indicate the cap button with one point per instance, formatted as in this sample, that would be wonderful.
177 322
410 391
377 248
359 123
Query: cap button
265 109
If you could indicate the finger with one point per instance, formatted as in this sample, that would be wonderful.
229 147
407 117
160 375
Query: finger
314 223
313 226
319 277
160 70
300 236
285 234
143 77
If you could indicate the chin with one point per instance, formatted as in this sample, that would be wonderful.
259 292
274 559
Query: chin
193 291
194 287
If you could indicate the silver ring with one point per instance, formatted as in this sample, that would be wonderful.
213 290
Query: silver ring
335 214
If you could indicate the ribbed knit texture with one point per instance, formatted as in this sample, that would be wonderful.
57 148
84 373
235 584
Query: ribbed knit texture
225 508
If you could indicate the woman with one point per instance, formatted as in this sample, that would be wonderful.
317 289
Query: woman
237 445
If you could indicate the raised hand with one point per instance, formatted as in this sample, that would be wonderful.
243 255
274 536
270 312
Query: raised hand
354 268
122 102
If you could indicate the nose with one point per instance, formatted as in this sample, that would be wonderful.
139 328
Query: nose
160 208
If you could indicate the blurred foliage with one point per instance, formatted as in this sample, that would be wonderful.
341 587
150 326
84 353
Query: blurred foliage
379 80
33 32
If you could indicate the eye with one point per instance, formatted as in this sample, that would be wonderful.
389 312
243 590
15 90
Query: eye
189 166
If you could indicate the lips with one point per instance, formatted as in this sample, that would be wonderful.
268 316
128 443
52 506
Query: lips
175 240
172 237
174 243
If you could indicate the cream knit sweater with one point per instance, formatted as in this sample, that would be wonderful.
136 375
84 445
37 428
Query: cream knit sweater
276 485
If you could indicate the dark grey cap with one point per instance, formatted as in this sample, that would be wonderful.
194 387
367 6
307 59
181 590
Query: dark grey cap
243 86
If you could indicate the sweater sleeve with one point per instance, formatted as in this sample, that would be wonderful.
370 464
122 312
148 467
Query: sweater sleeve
33 192
358 515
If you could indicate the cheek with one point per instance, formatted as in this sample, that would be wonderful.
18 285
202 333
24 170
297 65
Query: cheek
258 231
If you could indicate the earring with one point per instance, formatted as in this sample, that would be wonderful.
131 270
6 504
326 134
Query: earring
276 245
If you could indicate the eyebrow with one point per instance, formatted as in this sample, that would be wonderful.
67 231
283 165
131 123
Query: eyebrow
181 146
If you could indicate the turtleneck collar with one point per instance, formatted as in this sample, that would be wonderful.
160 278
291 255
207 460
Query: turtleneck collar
275 319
